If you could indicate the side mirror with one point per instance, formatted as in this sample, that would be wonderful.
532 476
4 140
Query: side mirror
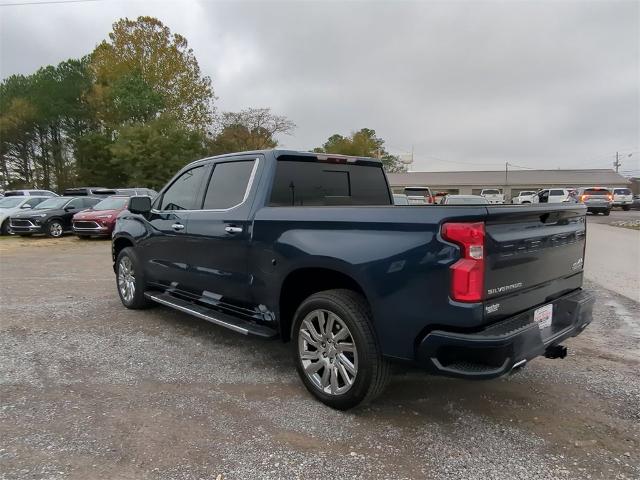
140 205
26 206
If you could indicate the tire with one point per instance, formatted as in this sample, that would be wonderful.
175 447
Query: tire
4 228
329 366
131 284
606 213
54 228
626 208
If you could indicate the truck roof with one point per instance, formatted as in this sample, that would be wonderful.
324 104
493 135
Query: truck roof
289 154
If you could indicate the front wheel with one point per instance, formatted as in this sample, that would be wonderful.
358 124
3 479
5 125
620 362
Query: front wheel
55 229
130 280
4 228
335 349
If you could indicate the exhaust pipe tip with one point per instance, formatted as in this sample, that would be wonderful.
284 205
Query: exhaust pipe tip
556 351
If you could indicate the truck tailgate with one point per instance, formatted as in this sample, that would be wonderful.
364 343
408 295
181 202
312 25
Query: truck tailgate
533 255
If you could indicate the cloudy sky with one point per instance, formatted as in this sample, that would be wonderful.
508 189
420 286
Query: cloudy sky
468 85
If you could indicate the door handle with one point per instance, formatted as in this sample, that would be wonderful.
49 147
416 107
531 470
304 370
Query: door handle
233 229
177 227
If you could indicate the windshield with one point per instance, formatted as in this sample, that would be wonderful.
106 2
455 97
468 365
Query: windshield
52 203
111 203
466 201
491 192
11 202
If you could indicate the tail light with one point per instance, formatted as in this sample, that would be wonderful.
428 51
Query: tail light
583 197
467 274
610 197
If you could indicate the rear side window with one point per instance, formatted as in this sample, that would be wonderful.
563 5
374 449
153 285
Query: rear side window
228 185
182 193
556 193
318 184
596 191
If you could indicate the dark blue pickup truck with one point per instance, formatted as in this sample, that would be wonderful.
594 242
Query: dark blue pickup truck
310 248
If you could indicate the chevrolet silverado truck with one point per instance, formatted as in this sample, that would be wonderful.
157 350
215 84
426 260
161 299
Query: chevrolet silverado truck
309 248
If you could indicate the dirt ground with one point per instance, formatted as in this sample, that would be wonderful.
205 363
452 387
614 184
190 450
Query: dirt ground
90 390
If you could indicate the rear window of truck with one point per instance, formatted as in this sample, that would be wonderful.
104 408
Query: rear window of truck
621 191
311 184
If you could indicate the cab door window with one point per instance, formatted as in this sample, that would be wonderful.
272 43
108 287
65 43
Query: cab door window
75 204
183 192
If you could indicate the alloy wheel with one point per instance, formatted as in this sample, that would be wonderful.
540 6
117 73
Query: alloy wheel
327 352
55 229
126 279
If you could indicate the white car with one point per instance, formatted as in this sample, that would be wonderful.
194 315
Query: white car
554 195
11 205
525 196
622 197
30 193
493 195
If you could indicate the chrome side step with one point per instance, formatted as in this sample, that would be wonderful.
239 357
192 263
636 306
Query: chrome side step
213 316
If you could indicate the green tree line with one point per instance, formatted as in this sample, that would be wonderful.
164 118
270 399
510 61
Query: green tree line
131 113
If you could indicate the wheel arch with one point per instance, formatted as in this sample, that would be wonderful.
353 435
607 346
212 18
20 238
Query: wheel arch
305 281
118 244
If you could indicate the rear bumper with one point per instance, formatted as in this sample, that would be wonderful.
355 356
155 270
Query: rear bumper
502 346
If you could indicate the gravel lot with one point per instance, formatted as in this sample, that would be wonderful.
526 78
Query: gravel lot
90 390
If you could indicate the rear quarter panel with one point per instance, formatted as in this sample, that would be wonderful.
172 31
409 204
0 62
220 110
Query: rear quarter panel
395 254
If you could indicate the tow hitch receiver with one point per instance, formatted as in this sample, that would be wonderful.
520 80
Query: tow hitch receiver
556 351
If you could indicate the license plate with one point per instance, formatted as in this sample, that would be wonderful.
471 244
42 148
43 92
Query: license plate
543 316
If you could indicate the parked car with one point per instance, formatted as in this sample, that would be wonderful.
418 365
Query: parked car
99 219
27 193
419 195
622 197
555 195
464 200
400 199
525 196
239 240
51 217
493 195
635 205
596 199
136 191
89 192
11 205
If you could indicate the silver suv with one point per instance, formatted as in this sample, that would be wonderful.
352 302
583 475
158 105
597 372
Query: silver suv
596 199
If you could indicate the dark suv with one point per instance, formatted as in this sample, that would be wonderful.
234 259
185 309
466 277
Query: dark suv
51 217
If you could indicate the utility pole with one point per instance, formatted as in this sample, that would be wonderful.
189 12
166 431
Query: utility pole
617 163
506 179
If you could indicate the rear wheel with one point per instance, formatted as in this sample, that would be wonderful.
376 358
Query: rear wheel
55 229
335 349
130 280
606 213
626 208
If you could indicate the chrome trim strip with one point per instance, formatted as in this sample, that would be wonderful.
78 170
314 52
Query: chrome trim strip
244 198
195 313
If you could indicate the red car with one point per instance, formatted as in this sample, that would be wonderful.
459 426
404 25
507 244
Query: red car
100 219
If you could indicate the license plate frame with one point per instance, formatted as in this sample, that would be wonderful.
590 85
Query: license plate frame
543 316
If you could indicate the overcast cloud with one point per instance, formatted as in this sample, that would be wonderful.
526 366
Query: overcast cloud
469 85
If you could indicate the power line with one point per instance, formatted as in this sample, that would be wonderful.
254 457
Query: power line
46 2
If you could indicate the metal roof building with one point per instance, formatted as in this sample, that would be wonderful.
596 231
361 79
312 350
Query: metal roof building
511 184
